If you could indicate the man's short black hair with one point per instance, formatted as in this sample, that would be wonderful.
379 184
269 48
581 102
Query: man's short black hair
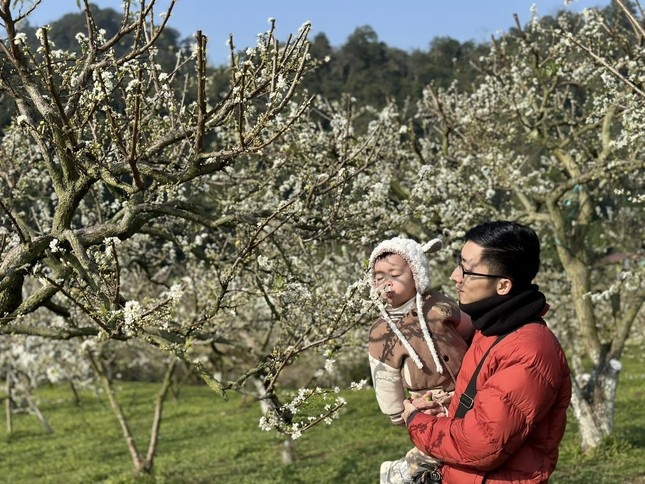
510 249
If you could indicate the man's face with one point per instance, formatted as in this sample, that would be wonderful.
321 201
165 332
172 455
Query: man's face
393 278
473 288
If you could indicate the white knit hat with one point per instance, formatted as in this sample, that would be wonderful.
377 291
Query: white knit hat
414 255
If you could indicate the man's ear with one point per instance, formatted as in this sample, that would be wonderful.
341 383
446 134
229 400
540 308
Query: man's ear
504 286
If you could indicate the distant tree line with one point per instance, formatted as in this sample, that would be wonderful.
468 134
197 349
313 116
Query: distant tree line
374 73
364 67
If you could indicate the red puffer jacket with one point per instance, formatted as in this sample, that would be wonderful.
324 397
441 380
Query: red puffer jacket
513 431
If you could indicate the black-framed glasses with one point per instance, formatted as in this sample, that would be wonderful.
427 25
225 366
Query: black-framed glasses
465 273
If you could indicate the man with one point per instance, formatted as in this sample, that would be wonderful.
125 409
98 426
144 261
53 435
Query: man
514 423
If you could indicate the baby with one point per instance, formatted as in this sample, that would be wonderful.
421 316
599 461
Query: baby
416 346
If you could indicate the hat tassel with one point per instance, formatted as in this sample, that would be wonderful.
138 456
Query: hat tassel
426 335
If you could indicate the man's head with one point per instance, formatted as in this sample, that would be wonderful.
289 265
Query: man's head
498 257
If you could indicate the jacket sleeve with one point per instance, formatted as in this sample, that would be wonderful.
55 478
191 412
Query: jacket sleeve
520 384
389 389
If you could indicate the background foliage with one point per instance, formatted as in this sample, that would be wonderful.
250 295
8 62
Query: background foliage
166 219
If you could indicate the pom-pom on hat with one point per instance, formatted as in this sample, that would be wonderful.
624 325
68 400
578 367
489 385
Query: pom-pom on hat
414 255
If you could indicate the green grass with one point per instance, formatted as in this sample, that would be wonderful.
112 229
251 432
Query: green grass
205 439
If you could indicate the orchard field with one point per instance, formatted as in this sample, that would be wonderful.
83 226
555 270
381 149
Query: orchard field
205 439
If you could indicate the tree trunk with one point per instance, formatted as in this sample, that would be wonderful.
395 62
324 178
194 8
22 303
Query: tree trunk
141 465
288 454
9 402
34 408
75 396
590 435
101 372
156 423
268 404
594 405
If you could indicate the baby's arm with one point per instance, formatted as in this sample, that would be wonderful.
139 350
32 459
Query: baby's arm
389 390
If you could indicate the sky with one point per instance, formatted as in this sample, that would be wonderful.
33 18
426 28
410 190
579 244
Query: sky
405 24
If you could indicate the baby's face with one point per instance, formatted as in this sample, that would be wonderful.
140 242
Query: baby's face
393 280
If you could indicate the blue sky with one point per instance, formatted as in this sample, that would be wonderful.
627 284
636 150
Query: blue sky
406 24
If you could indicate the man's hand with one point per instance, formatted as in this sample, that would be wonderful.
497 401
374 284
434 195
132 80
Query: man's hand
423 405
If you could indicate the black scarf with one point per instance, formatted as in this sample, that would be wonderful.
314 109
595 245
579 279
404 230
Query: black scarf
497 314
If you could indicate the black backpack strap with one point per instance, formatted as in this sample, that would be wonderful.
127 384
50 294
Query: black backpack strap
467 399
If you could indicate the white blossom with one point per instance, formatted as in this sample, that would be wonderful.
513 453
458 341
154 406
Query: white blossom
20 38
132 312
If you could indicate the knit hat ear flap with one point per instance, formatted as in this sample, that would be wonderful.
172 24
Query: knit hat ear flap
429 247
